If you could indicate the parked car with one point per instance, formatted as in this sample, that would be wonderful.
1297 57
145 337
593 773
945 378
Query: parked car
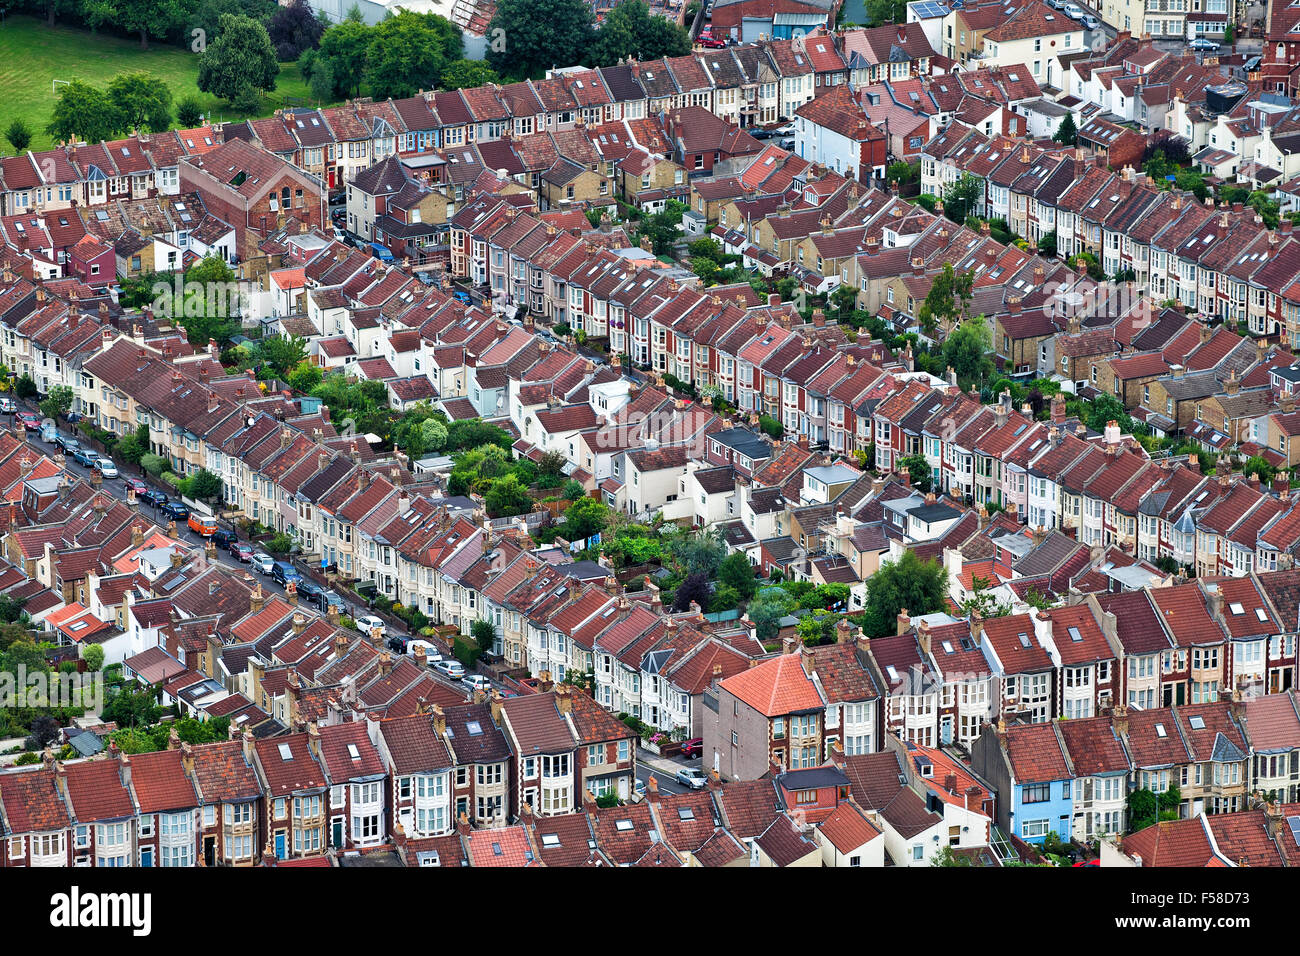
136 485
431 653
175 510
453 669
693 747
83 456
398 643
326 598
787 145
223 538
308 589
241 551
692 777
639 792
1073 11
8 405
1058 4
107 467
476 682
1090 22
1200 43
155 498
762 133
463 296
368 622
262 563
712 43
31 421
282 572
66 443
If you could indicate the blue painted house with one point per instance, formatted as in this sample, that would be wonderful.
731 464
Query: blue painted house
1031 769
1041 782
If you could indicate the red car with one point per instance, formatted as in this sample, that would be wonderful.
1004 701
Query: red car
136 485
693 747
31 421
241 550
710 42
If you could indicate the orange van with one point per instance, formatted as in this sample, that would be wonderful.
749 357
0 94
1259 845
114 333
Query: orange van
201 525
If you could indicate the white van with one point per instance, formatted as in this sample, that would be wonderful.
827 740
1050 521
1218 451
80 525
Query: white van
431 653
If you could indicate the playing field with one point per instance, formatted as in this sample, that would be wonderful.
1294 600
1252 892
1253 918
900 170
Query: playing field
33 55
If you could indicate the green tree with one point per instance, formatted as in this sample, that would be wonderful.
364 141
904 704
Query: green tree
1255 465
945 857
406 54
93 655
1067 134
241 59
631 31
526 37
484 634
572 490
662 228
962 197
134 445
697 551
147 17
737 573
918 470
507 497
144 101
25 386
305 377
766 612
58 402
84 112
966 351
204 310
1047 243
909 583
343 46
885 11
585 517
205 486
949 295
322 82
189 112
19 135
467 74
282 352
1143 809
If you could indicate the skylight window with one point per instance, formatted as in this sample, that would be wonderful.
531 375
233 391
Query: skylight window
1160 731
550 840
1236 608
1197 722
286 753
353 752
623 825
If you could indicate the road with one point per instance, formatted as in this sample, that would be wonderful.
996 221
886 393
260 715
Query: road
116 488
666 783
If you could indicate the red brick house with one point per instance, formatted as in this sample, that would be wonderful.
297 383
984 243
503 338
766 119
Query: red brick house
254 191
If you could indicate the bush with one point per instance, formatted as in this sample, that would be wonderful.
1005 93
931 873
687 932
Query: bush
771 426
281 544
153 464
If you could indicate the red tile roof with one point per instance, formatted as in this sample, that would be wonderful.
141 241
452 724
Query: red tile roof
776 687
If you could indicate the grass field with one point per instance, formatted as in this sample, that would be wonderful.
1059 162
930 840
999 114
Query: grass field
33 55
